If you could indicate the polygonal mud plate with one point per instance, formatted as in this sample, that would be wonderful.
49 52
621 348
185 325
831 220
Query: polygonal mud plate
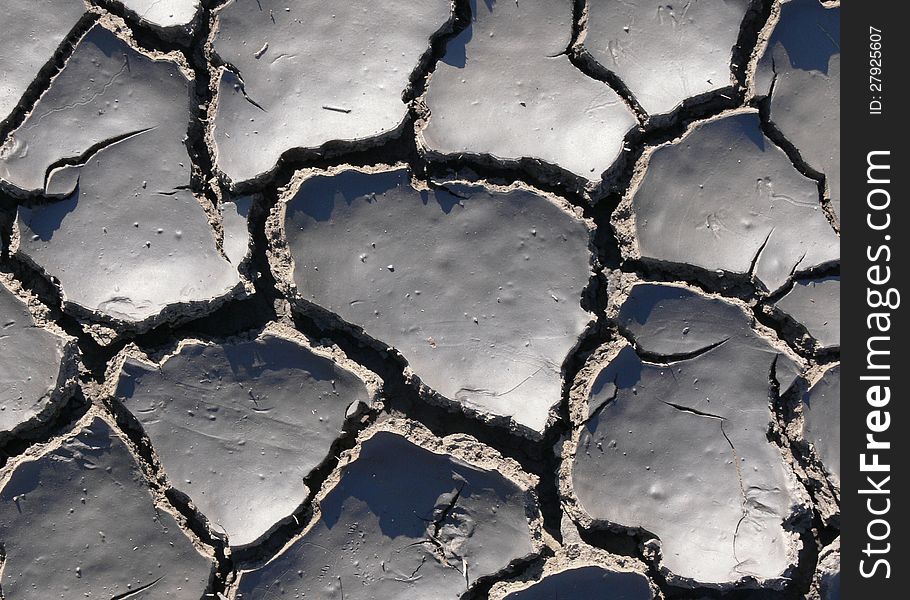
77 519
506 89
128 242
303 73
407 516
238 425
32 33
582 572
174 19
665 53
725 198
37 367
815 305
671 437
479 288
800 70
821 420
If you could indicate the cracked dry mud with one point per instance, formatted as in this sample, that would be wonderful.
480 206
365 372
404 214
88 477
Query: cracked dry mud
256 415
688 437
496 342
461 522
31 395
506 88
665 53
78 520
473 300
799 72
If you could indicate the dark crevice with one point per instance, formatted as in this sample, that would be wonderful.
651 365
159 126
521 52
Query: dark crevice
459 20
658 358
795 334
783 408
7 218
723 283
582 60
58 423
176 34
138 590
699 413
773 133
236 73
480 589
753 23
792 332
758 254
155 476
78 161
402 396
94 356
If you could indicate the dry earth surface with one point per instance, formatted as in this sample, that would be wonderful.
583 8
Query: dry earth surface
509 300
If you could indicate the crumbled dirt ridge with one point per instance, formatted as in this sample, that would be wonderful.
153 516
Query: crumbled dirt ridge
819 421
826 583
462 233
505 89
52 535
124 296
268 98
31 399
441 523
581 571
609 380
238 393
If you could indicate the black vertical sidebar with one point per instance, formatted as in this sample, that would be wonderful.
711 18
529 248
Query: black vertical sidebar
874 269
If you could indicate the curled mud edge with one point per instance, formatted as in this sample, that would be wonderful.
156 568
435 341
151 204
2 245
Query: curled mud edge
568 557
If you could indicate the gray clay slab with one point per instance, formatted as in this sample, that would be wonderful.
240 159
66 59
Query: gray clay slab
307 72
80 522
402 522
589 583
801 70
821 419
238 426
32 32
724 197
506 88
479 290
33 366
163 13
816 306
686 435
128 240
665 52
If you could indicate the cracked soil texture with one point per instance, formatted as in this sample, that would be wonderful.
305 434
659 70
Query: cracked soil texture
469 299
